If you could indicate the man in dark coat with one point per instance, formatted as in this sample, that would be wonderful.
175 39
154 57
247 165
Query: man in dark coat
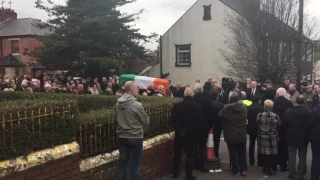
314 127
270 93
234 115
253 91
206 105
252 128
316 97
217 106
179 91
281 104
296 131
185 119
207 85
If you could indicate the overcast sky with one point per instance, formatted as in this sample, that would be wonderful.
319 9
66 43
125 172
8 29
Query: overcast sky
158 15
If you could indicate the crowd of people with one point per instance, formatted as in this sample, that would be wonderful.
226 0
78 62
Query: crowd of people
61 83
282 121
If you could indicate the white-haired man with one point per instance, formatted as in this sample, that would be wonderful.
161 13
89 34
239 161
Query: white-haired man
281 105
132 123
184 118
206 119
47 88
253 91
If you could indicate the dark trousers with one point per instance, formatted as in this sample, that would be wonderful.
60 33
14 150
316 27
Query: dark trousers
130 151
237 153
216 139
283 154
315 147
183 144
201 151
252 145
302 165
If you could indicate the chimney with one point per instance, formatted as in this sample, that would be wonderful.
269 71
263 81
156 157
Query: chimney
7 14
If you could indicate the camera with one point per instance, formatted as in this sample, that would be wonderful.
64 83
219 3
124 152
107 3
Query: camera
228 84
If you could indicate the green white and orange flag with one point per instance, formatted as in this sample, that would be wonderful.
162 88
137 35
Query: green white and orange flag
143 82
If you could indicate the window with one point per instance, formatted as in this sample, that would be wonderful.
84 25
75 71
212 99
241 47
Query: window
15 47
183 55
207 13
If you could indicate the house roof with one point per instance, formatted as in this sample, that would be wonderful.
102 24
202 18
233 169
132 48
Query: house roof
146 70
10 61
238 7
21 27
38 66
234 5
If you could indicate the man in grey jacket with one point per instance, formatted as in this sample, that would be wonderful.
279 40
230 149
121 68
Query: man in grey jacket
132 123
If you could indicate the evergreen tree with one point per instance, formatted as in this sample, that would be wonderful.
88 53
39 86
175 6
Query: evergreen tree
91 35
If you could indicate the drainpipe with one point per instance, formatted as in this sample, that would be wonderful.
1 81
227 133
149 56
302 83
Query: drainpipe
160 57
1 49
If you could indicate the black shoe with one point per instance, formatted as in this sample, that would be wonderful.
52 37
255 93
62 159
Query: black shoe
190 178
205 170
175 176
243 173
292 177
268 172
275 169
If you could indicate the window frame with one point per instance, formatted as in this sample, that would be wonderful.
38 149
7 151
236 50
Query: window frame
177 64
12 47
205 16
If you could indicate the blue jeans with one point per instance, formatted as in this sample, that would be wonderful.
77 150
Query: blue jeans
238 157
130 151
315 147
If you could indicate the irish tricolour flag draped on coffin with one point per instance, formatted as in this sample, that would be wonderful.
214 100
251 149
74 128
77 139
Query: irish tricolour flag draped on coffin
144 82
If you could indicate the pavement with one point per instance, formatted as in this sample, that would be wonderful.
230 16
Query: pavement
254 173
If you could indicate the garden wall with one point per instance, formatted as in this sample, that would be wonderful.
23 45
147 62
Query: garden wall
156 161
58 163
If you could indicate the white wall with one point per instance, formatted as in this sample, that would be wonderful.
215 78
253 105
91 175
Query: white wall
154 72
10 72
206 38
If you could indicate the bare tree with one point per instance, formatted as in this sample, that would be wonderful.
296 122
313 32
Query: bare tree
262 40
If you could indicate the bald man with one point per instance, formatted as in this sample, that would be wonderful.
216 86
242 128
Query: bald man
185 121
132 123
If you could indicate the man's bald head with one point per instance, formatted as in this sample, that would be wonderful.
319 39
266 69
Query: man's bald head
130 87
300 100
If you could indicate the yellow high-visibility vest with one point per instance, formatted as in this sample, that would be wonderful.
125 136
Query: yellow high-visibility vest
247 103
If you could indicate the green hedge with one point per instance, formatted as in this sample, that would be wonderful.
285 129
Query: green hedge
34 121
97 132
27 126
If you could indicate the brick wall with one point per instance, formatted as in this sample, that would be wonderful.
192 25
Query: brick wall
66 168
156 162
29 43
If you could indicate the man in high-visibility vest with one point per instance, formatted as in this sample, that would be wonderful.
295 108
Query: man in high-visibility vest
244 99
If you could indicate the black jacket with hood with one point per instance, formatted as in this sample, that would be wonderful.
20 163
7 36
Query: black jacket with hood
234 117
295 124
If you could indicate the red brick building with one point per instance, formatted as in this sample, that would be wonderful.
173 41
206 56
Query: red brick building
17 35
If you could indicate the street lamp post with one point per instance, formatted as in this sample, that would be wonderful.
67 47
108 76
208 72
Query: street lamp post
298 58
